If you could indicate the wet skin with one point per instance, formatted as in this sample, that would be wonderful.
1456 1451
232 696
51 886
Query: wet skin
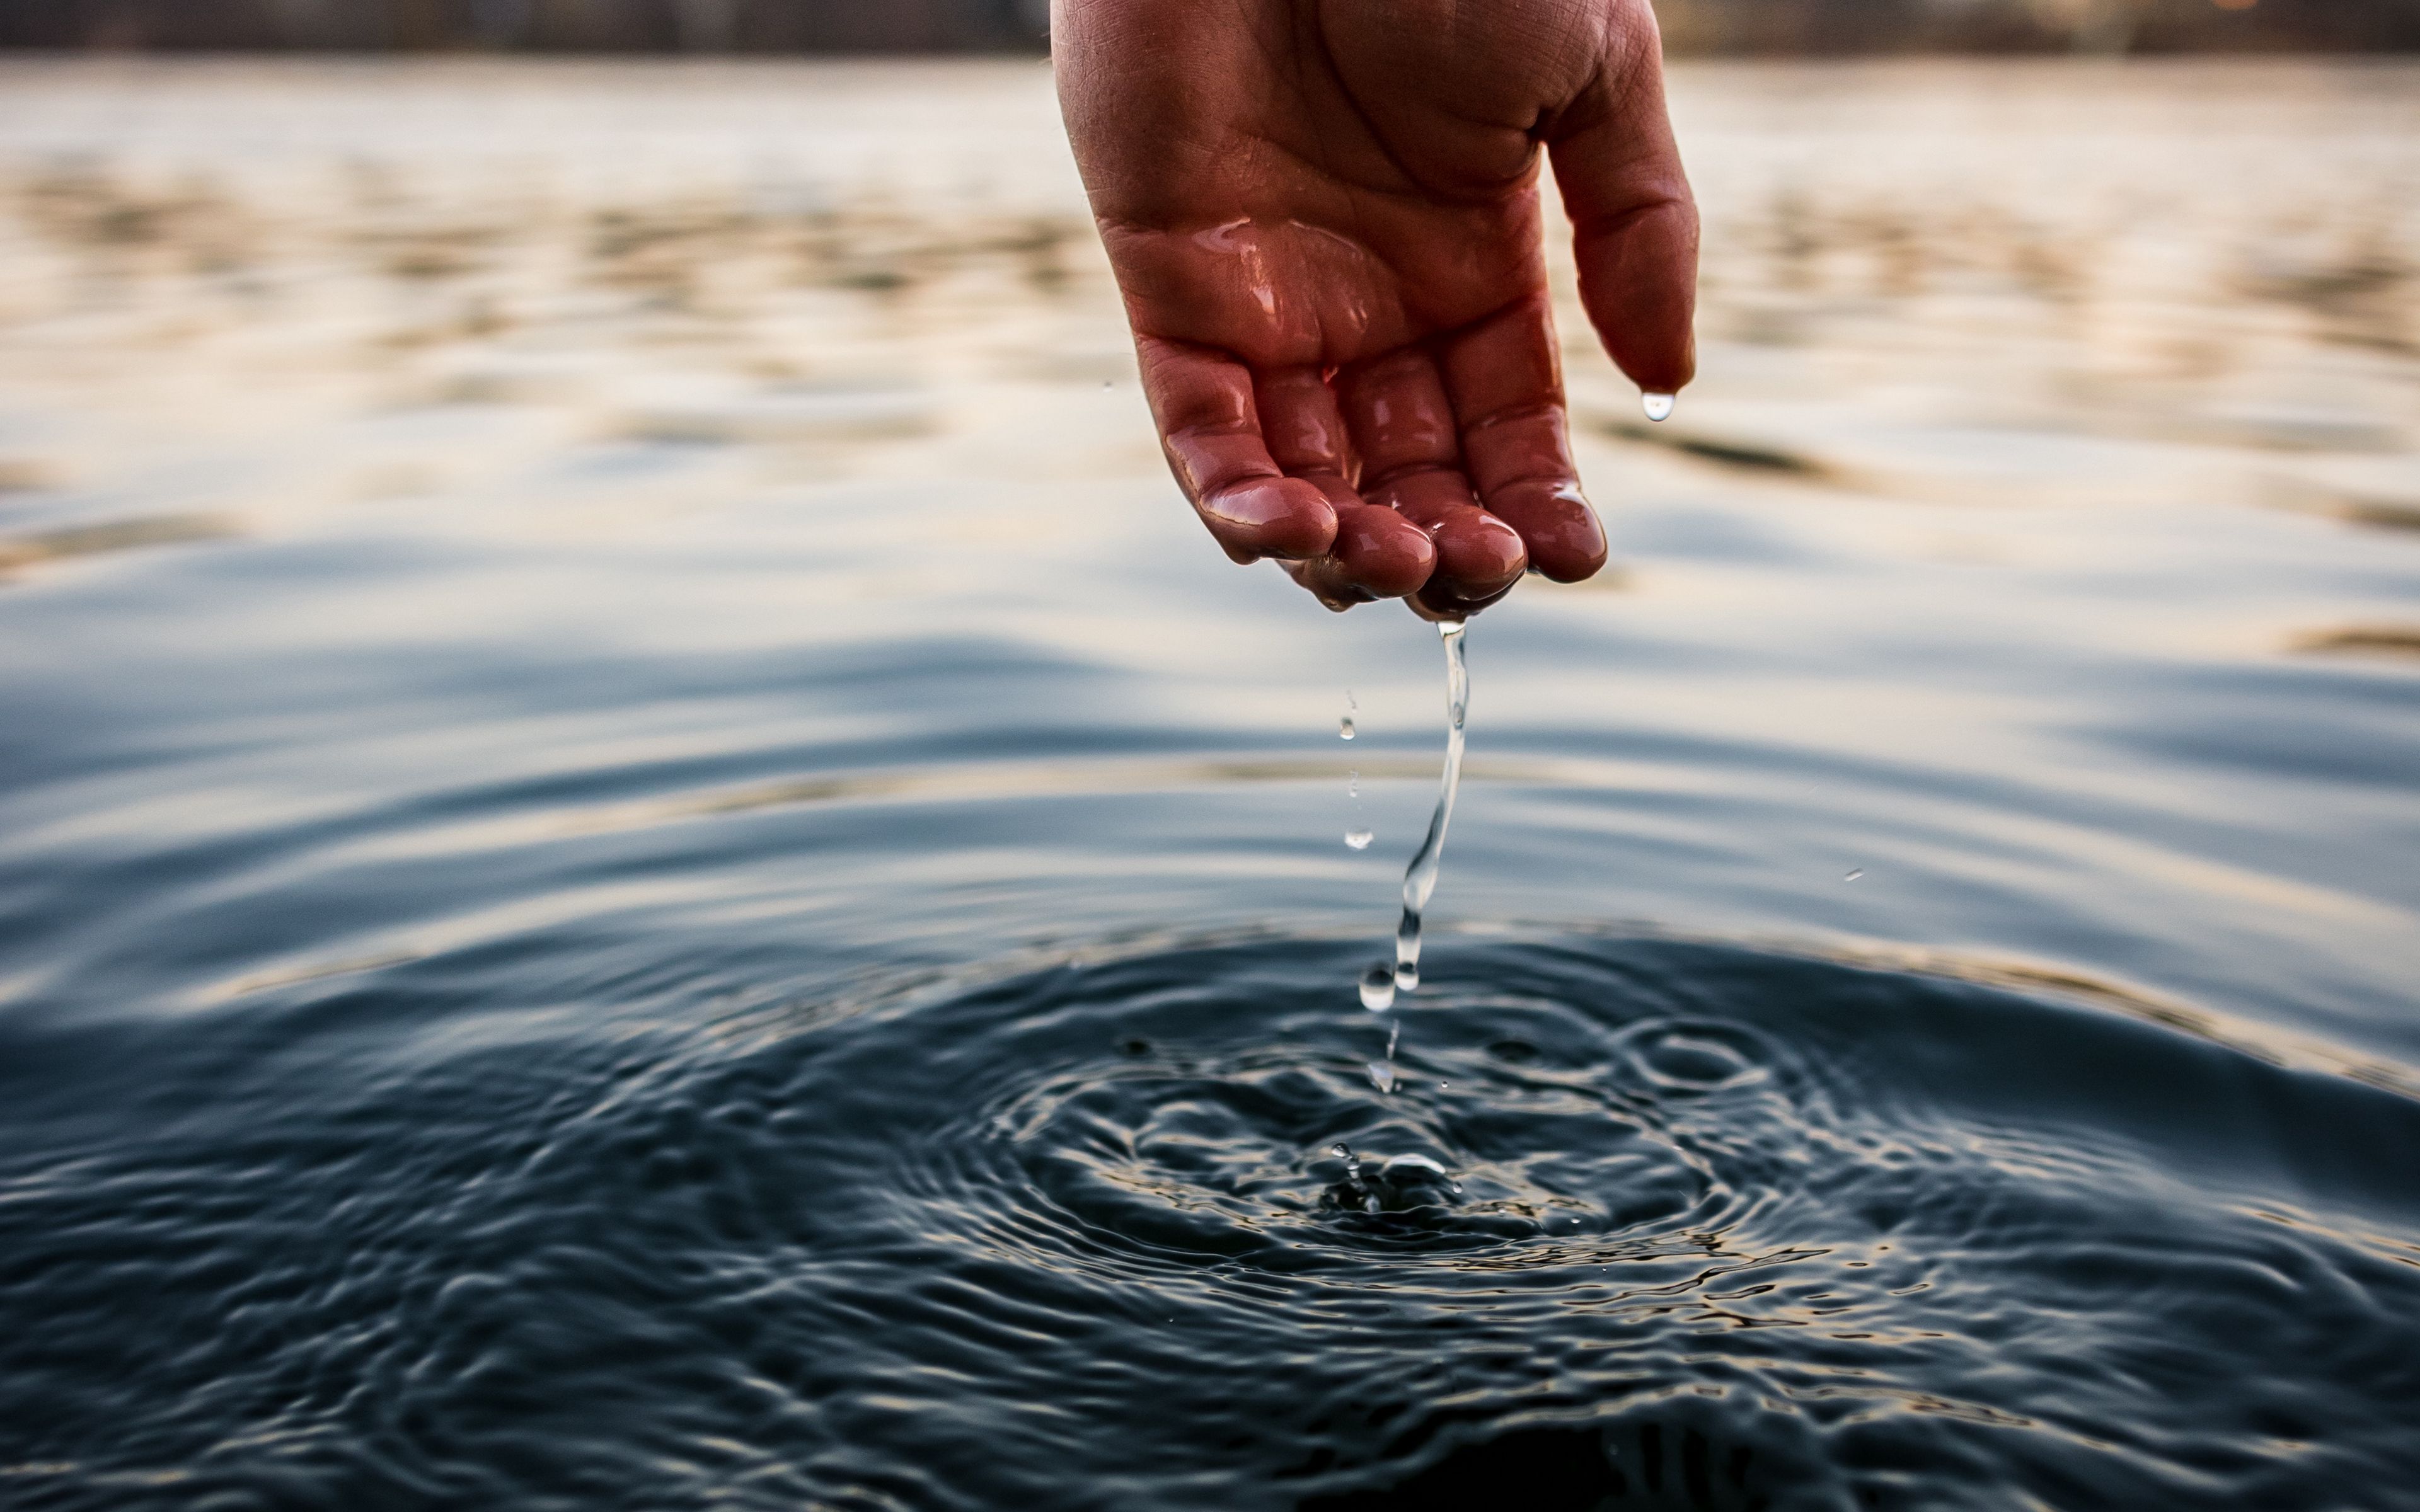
1324 217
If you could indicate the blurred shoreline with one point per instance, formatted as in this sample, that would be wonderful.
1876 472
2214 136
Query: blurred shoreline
1801 28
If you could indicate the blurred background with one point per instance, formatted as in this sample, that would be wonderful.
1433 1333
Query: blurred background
1690 26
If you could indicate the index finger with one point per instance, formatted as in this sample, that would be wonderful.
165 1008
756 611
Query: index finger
1634 223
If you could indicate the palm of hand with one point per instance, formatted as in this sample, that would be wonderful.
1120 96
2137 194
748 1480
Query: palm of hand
1326 227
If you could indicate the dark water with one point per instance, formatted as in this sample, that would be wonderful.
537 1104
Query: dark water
789 944
1726 1227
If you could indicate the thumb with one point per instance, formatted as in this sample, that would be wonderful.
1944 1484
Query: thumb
1633 225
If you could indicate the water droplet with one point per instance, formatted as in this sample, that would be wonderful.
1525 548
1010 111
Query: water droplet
1381 1075
1359 838
1344 728
1658 406
1353 784
1378 987
1854 872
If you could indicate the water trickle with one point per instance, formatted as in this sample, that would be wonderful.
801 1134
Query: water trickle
1378 987
1359 838
1419 878
1658 406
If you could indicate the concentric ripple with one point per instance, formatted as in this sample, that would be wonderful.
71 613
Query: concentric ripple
1646 1223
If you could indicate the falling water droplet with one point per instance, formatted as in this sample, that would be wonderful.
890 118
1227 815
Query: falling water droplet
1854 872
1344 728
1658 406
1381 1075
1378 987
1359 838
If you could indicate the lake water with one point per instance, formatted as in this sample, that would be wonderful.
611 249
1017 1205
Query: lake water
645 862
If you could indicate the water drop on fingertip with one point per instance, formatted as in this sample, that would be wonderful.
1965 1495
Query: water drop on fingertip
1658 406
1379 988
1359 838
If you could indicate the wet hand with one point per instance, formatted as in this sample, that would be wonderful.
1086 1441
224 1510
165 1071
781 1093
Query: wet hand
1324 217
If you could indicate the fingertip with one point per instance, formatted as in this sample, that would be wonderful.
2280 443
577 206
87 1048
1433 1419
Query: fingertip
1665 364
1381 552
1478 556
1564 537
1284 517
1438 602
1322 579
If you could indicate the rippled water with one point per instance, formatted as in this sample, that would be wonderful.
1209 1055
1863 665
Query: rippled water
643 862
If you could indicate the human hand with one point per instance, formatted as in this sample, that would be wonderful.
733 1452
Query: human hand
1324 217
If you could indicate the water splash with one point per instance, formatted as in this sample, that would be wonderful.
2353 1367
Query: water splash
1354 1190
1658 406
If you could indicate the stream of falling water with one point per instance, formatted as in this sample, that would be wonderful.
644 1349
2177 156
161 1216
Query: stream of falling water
1382 981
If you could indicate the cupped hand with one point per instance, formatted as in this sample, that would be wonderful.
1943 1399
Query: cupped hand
1324 217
